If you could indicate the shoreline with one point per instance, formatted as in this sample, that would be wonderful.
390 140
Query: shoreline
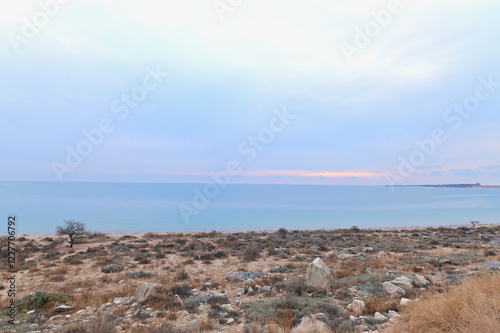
222 232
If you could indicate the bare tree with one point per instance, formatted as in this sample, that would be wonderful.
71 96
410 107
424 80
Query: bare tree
474 223
73 230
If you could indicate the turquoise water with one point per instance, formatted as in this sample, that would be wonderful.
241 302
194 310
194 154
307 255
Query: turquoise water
143 207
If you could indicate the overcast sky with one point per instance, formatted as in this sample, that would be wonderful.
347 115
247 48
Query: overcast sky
315 92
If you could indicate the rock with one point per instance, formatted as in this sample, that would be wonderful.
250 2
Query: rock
229 320
62 308
121 300
240 291
55 317
178 301
384 326
318 276
483 237
403 282
142 314
227 307
358 307
250 290
30 312
379 316
266 289
405 301
304 293
421 281
145 289
318 317
393 314
392 290
444 261
361 328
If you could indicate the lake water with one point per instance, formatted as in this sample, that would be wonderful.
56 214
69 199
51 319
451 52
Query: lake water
143 207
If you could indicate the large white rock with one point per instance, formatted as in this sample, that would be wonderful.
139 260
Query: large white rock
392 290
358 307
146 289
403 282
318 276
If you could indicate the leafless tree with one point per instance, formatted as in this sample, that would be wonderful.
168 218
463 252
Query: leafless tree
474 223
73 230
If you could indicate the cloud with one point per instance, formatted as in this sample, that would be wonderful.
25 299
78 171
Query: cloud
313 174
465 172
491 167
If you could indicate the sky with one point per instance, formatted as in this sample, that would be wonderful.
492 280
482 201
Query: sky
284 91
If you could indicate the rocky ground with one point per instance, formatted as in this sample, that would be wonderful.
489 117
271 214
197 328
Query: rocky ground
239 282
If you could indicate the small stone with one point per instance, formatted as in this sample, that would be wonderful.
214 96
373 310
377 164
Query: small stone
266 289
379 316
227 308
405 301
393 314
62 308
421 281
483 237
229 320
392 290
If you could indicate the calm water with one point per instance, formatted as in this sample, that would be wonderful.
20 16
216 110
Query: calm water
142 207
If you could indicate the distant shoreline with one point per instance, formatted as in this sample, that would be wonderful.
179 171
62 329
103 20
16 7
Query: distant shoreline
478 185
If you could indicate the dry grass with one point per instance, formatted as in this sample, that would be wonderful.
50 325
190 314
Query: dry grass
473 306
312 327
380 305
